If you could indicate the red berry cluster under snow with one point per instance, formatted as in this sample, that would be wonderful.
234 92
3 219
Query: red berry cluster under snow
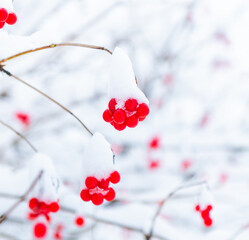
98 190
7 17
125 115
38 208
205 214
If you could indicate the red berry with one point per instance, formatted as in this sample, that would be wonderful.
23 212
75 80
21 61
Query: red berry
91 182
119 127
54 207
114 177
33 203
2 24
209 207
57 236
197 208
104 183
97 199
11 20
43 206
3 14
79 221
154 164
85 196
110 195
112 104
131 104
132 121
107 115
40 230
205 214
143 110
155 143
208 222
24 118
119 116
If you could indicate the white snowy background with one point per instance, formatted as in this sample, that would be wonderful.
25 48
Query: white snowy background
191 61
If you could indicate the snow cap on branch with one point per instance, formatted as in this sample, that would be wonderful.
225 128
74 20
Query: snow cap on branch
47 187
98 158
122 83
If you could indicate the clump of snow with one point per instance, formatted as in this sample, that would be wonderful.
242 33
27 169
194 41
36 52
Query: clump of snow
205 198
47 187
7 4
98 158
122 83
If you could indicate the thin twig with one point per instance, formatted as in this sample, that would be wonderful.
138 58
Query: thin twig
20 135
170 195
45 95
54 45
4 216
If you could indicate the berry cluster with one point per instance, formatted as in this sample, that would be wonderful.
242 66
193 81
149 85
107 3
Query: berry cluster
41 208
128 114
205 214
7 17
98 190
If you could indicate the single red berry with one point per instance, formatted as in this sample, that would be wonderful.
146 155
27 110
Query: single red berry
97 198
131 104
85 196
57 236
208 222
119 116
12 18
205 214
33 203
107 115
103 183
112 105
24 118
143 110
79 221
141 118
154 143
197 208
209 207
91 182
132 121
43 206
110 196
3 14
114 177
40 230
32 216
2 24
154 164
54 207
119 127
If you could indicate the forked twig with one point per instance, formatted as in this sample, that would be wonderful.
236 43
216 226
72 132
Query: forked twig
22 198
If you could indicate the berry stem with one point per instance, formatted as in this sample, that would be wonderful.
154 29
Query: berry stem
20 135
45 95
54 46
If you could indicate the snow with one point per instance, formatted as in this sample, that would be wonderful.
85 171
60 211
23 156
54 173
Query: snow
97 158
122 84
47 187
7 4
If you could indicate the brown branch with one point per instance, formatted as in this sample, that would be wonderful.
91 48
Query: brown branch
22 198
170 195
20 135
45 95
54 46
